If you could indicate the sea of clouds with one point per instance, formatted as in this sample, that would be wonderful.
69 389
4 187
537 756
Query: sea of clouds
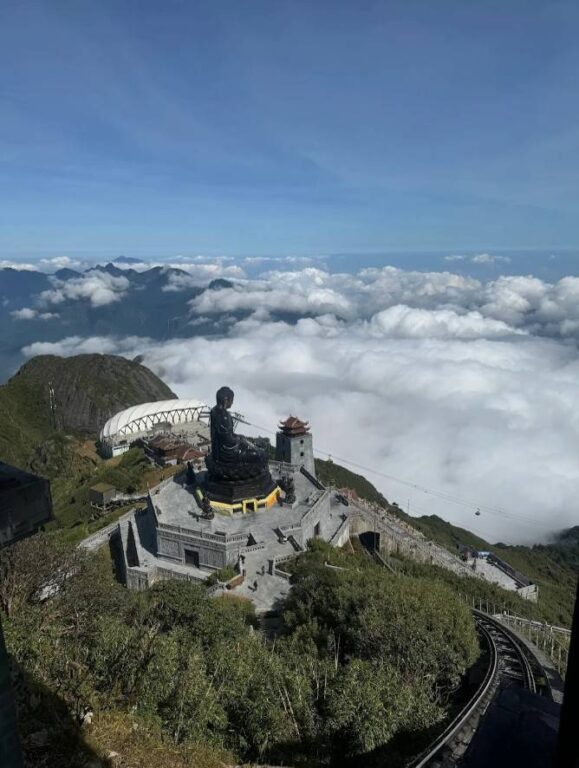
464 387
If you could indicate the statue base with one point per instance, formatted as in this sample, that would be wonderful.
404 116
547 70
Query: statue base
246 495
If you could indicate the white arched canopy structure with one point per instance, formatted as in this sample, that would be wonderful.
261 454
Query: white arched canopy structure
143 417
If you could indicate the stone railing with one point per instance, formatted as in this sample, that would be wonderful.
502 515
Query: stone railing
314 508
254 547
276 561
283 468
291 528
166 573
341 530
312 479
99 537
219 536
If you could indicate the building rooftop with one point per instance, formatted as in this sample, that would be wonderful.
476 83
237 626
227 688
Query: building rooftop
103 487
294 427
143 417
176 505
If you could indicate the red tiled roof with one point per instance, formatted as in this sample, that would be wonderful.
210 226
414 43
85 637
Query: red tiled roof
294 426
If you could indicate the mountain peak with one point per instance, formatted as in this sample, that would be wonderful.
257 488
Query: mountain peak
86 391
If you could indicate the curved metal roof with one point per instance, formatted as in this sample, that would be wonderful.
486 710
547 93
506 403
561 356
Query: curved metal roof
124 422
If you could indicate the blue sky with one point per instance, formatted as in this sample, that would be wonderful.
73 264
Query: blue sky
153 128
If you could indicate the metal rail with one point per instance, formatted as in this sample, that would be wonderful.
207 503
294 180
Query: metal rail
481 698
522 656
466 713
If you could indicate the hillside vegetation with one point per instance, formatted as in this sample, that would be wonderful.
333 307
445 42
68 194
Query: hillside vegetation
366 665
554 566
330 473
88 389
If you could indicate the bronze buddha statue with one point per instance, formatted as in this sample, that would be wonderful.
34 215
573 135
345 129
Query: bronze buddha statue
231 455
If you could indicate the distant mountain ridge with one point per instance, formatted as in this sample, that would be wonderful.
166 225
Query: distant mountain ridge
152 303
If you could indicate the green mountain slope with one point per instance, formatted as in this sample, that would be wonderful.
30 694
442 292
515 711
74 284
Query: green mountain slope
554 567
88 389
331 473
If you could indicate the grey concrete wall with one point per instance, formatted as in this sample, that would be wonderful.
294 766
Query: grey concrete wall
298 451
342 535
318 513
172 546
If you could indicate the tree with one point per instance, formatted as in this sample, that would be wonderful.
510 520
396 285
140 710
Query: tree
369 702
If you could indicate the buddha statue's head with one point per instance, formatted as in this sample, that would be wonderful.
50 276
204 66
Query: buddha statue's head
224 397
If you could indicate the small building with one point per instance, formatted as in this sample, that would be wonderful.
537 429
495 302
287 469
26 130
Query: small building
101 495
25 503
294 445
167 449
188 453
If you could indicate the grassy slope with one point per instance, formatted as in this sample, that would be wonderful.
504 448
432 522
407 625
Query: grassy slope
331 473
25 421
28 439
553 567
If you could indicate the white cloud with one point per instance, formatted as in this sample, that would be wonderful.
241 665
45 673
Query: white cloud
99 288
61 262
440 379
20 266
26 313
479 258
487 258
200 275
47 265
494 420
401 321
77 345
300 293
525 303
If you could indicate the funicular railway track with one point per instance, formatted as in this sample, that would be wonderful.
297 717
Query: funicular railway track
509 664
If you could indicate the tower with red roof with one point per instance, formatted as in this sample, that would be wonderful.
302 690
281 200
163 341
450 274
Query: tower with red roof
294 444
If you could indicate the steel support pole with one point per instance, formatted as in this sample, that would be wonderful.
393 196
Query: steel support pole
568 740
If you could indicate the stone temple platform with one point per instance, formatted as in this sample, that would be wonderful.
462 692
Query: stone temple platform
170 539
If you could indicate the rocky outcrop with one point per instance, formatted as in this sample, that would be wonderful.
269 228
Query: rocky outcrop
85 390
